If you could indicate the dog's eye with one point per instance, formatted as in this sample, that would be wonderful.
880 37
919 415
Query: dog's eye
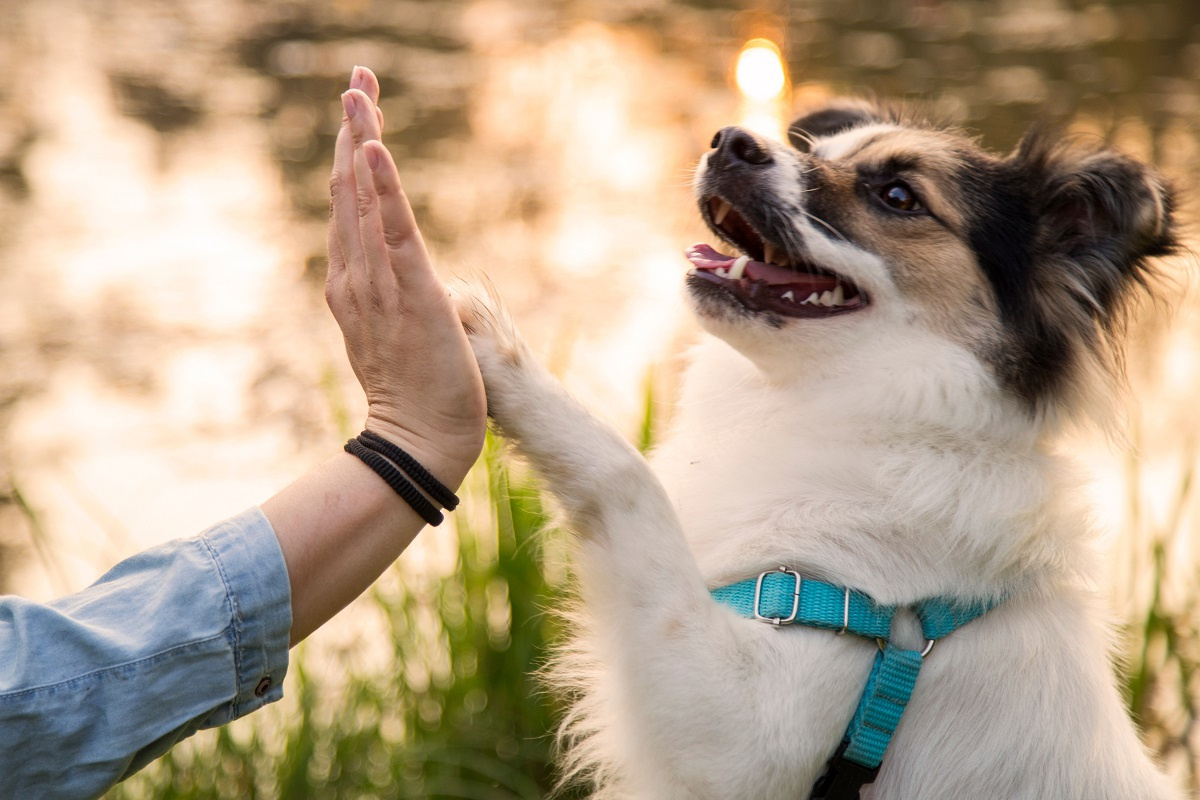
899 196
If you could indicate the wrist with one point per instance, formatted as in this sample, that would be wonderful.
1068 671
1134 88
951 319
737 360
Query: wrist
448 458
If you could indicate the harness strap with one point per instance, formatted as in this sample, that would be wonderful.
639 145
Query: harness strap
784 597
940 617
888 690
821 605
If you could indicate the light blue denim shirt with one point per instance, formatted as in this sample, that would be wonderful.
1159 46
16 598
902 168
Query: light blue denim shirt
188 635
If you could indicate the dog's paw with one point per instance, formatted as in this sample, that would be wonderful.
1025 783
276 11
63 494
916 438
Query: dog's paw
532 410
488 325
505 361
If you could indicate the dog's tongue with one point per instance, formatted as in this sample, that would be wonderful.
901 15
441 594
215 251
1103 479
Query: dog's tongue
703 256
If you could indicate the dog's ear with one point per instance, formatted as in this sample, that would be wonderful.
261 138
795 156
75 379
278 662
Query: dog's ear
1100 214
842 115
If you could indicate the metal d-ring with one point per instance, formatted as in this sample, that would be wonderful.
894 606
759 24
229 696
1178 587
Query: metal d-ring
929 643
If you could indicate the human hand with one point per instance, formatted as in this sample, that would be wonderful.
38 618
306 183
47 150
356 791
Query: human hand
402 333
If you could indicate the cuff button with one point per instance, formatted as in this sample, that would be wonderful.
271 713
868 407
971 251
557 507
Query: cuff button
263 687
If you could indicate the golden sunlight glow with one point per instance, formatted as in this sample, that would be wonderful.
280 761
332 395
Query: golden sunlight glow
760 74
762 81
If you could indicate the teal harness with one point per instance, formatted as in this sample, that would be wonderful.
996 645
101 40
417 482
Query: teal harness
783 597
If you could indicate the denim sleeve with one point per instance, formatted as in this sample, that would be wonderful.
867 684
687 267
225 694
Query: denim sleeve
188 635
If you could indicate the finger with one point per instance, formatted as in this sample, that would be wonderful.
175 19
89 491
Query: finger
376 273
377 269
364 80
404 246
364 125
335 272
337 262
343 222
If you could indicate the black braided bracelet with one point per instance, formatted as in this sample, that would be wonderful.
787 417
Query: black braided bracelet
384 469
432 486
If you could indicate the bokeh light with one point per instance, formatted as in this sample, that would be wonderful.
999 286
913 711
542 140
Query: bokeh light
762 82
760 74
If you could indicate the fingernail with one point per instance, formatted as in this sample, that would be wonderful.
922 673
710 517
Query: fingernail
372 157
356 78
349 105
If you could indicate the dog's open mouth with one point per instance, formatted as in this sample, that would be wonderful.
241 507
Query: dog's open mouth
765 277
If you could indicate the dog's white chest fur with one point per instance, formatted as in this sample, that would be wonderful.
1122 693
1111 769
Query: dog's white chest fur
906 513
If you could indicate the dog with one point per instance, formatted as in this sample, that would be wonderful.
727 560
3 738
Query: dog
884 368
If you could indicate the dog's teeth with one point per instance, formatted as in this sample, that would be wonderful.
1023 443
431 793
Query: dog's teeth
721 272
839 296
721 212
812 299
791 298
827 298
768 253
739 266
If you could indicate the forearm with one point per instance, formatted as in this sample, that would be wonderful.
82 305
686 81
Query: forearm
187 635
339 527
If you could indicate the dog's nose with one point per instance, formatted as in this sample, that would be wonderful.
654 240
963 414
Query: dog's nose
735 144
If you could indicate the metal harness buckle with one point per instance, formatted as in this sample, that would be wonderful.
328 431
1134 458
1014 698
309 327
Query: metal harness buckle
788 620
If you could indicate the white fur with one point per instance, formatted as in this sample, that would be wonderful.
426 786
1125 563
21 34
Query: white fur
867 451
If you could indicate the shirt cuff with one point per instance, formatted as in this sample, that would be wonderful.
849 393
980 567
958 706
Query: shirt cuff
252 567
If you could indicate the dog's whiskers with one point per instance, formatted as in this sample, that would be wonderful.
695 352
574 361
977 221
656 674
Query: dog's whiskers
804 138
825 225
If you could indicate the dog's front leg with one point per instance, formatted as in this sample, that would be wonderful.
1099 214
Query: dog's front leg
674 684
608 492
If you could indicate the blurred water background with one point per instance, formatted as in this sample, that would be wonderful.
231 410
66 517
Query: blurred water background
166 358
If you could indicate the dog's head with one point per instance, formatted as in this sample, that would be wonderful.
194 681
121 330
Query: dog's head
874 231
